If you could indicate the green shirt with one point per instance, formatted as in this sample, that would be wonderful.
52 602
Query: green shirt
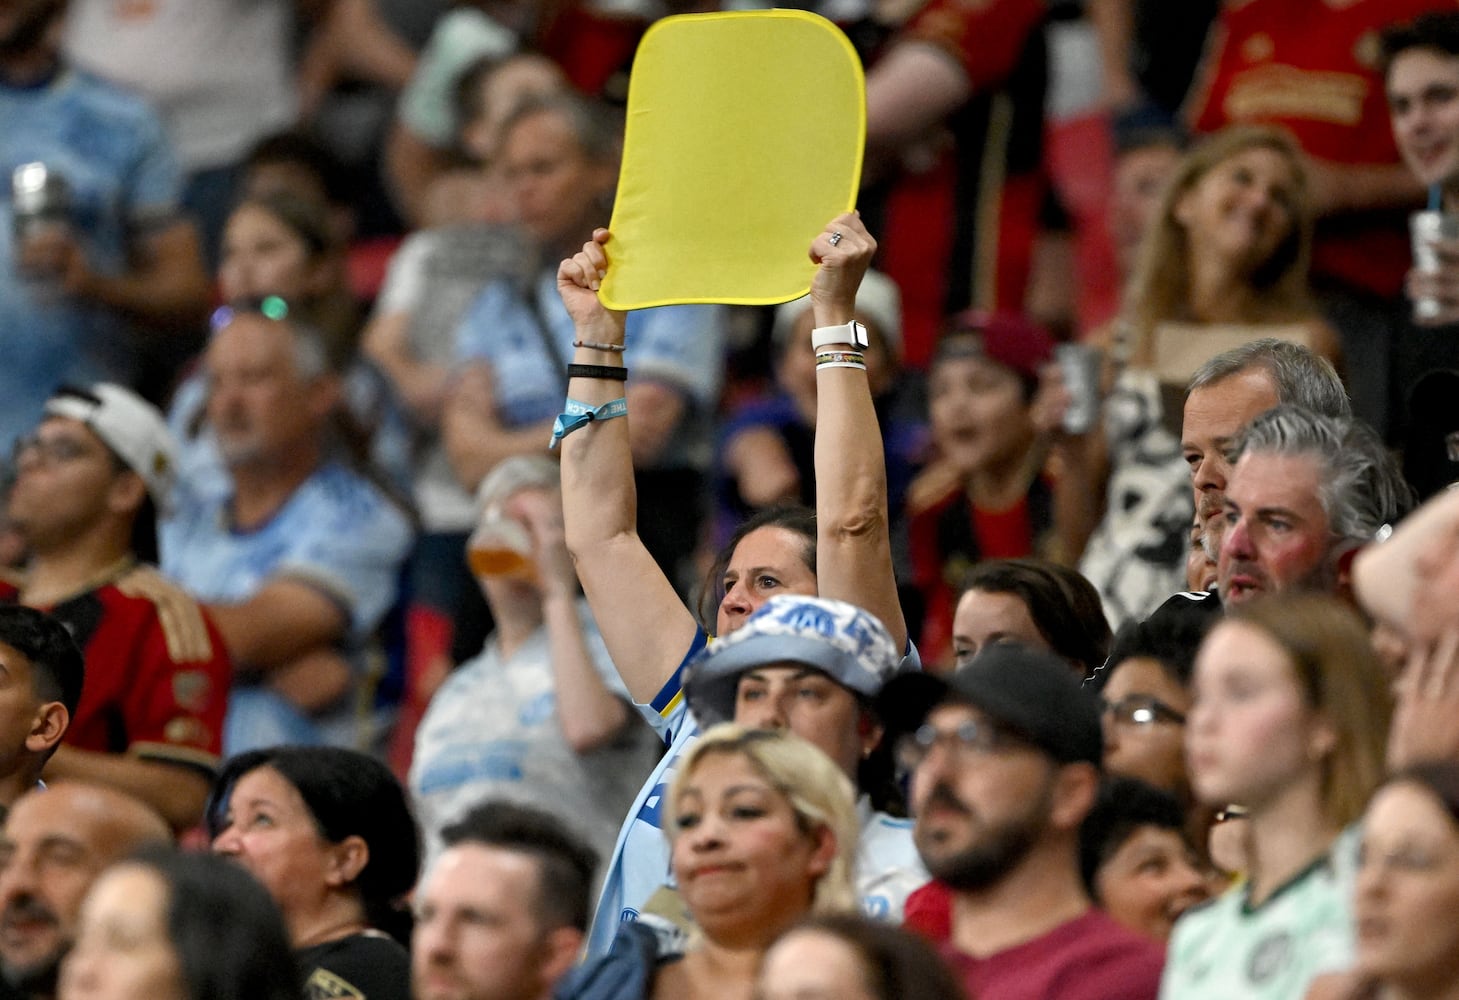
1229 948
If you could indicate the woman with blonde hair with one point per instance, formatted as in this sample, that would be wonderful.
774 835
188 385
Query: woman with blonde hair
762 828
1289 720
1224 263
1229 251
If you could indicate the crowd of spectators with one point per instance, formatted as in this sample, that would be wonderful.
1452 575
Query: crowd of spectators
1055 602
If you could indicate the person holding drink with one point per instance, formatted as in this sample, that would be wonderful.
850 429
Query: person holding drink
539 716
1421 62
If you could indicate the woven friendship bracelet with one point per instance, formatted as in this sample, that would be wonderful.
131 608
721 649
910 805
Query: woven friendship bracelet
616 373
840 359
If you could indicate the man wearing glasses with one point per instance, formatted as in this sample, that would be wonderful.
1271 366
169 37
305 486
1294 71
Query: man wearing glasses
1004 768
89 483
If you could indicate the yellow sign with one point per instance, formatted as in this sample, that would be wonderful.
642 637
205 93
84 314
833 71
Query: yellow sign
744 138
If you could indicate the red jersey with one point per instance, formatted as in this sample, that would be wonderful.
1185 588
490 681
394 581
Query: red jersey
157 673
959 230
1311 67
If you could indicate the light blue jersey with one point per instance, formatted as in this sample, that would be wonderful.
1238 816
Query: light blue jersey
680 346
888 868
123 179
337 533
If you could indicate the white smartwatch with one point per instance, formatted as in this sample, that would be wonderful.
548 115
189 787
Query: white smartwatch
852 333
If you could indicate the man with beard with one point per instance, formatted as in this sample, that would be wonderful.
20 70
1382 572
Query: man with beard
1005 766
89 483
96 259
55 843
295 554
1306 493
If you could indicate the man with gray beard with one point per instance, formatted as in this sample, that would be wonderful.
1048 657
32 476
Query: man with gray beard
1005 765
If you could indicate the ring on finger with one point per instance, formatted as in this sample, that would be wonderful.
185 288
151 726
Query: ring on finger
836 238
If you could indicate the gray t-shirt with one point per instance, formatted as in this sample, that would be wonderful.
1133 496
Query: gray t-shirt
492 731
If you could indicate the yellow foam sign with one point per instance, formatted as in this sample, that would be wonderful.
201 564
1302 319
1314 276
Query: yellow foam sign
744 138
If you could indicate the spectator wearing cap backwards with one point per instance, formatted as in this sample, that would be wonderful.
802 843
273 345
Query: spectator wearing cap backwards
811 665
766 453
90 482
1005 764
985 495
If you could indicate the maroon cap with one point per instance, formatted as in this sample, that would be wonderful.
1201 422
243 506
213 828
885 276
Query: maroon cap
1008 338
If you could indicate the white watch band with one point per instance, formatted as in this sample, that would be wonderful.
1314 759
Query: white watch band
847 333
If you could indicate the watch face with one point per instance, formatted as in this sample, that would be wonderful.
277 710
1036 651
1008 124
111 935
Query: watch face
859 331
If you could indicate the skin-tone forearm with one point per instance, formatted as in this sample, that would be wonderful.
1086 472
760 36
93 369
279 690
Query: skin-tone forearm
1114 25
914 87
758 461
1078 463
1081 472
590 714
656 410
853 544
1338 188
165 284
475 439
421 386
352 42
176 791
315 681
644 624
412 166
284 621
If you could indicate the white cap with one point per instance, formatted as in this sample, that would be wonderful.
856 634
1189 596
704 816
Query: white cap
130 426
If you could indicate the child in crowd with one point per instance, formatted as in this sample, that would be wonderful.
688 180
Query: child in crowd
985 494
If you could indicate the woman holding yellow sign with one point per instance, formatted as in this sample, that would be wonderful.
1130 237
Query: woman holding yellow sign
843 552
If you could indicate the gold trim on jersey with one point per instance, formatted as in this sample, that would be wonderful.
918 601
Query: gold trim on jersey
181 617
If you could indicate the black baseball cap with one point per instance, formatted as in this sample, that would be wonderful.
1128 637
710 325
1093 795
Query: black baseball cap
1030 692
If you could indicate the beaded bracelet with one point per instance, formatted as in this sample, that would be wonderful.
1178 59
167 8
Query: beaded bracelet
616 373
598 345
840 359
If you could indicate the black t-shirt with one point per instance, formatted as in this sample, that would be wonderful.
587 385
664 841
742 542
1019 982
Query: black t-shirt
368 966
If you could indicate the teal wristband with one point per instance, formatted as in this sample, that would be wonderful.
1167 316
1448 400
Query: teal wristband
576 415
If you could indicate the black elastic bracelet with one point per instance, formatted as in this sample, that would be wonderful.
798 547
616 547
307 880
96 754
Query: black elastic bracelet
616 373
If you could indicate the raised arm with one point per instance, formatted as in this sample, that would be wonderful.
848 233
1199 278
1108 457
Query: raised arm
854 550
646 627
591 716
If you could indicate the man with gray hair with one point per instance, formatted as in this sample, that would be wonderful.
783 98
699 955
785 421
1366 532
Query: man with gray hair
296 555
1306 492
1232 389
